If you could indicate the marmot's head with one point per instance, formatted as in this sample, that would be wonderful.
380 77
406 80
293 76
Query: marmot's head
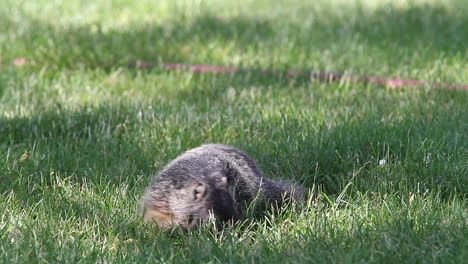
189 202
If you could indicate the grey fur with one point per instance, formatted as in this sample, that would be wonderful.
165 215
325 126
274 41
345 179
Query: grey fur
212 179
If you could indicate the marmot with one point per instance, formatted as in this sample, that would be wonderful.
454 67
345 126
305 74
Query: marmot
213 179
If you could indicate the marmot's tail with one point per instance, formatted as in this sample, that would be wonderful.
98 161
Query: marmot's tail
280 191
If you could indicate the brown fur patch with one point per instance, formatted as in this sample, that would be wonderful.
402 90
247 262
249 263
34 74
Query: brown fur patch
162 219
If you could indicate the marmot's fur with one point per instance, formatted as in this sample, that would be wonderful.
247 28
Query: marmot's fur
212 179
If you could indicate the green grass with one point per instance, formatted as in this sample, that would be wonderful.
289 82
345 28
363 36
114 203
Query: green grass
81 134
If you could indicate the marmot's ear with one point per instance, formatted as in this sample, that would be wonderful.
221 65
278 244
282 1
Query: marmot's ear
199 190
225 181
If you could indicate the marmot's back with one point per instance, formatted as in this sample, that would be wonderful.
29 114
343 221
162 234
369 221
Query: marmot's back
212 179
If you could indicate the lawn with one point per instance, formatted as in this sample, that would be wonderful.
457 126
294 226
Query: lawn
82 134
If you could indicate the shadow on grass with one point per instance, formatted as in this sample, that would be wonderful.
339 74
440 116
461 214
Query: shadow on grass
86 145
117 144
376 156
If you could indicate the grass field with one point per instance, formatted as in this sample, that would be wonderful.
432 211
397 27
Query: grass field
81 134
